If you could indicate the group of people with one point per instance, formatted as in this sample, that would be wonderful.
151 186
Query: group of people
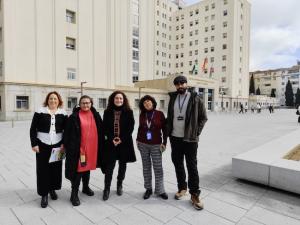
90 142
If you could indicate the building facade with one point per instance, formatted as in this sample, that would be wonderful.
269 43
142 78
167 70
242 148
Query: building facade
102 45
275 80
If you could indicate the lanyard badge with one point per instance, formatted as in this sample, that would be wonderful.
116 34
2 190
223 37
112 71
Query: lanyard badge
149 133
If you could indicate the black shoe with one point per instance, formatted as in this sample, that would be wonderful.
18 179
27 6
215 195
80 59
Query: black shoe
119 189
44 201
53 195
74 198
148 193
88 191
164 196
106 194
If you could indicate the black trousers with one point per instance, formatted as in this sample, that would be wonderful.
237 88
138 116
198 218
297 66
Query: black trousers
49 175
85 176
110 170
181 149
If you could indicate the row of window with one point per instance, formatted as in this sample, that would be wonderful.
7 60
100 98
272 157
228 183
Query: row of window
205 29
22 103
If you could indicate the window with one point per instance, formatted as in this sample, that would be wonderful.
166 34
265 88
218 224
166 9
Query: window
135 67
196 32
206 39
191 23
196 42
212 49
72 102
196 22
212 38
191 33
224 46
224 24
224 35
135 55
191 43
205 50
206 19
197 11
102 103
182 16
196 52
191 53
206 29
223 68
212 59
70 43
212 27
225 2
191 13
224 57
225 12
135 31
206 8
223 79
182 26
212 17
136 103
70 16
177 18
22 102
213 5
182 36
1 68
71 74
135 43
181 55
162 104
0 34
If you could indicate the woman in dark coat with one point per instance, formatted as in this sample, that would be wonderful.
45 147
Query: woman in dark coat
46 133
83 139
118 124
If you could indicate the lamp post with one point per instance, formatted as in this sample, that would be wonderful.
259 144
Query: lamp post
222 94
81 87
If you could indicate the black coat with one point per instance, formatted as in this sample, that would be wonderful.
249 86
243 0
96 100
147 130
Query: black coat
72 138
124 151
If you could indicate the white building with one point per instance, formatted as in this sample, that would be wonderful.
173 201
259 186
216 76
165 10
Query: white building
277 79
103 45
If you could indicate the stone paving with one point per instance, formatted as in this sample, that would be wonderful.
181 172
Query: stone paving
227 200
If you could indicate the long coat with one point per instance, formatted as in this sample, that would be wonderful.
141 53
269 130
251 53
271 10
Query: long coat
72 139
124 151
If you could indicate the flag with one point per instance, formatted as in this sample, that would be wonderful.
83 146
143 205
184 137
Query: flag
204 64
211 71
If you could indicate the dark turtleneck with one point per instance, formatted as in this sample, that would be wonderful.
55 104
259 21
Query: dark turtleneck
118 108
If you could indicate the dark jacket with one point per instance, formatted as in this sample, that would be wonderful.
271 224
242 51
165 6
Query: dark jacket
41 122
195 117
124 151
72 138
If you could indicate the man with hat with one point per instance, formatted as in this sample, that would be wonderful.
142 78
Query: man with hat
186 119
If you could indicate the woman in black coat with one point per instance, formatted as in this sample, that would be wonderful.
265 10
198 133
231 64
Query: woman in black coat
46 134
118 124
79 163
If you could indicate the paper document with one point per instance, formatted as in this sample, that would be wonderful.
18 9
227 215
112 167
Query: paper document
56 155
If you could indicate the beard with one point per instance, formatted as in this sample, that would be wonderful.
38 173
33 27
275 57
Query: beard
181 90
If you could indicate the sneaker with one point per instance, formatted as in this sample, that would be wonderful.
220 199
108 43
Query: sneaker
196 202
180 194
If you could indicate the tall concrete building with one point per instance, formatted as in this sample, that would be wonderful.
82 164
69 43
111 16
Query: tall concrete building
101 45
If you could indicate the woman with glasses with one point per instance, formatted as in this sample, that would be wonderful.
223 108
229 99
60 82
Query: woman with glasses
118 124
83 139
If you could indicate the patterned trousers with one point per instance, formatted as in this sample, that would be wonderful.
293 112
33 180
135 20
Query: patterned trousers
151 155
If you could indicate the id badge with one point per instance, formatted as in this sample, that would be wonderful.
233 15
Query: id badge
149 135
180 118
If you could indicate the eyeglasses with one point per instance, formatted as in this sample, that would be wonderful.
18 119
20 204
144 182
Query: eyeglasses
85 103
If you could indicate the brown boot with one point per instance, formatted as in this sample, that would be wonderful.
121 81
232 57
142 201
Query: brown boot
180 194
196 202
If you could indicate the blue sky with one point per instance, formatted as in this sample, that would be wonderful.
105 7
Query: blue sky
275 33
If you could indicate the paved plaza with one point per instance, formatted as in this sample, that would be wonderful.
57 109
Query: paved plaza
226 200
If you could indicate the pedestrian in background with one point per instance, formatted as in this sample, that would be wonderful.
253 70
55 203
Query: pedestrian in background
46 133
84 138
118 123
151 142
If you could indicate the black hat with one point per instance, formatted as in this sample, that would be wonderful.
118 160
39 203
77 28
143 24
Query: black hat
180 79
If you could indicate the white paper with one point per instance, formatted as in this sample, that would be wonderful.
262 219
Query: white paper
56 155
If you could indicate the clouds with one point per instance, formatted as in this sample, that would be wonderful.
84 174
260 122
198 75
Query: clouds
275 33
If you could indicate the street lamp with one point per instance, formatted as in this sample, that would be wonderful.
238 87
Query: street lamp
222 92
81 87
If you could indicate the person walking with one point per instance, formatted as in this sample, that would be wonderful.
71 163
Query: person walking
84 138
151 142
118 124
46 133
185 121
241 108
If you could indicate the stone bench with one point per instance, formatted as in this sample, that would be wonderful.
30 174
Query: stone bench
266 164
